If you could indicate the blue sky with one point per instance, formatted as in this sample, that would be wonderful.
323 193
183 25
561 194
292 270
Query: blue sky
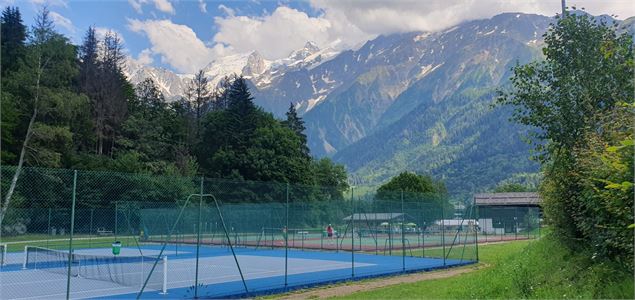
184 35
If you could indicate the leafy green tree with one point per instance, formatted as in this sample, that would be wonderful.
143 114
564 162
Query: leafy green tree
511 187
414 187
155 131
584 74
326 173
42 86
572 98
243 142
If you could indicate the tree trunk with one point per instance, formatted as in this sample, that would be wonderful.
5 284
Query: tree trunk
16 175
25 144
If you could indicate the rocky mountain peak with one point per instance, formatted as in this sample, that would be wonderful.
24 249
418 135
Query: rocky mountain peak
309 49
255 65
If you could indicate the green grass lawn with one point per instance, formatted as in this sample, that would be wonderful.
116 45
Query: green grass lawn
16 244
521 269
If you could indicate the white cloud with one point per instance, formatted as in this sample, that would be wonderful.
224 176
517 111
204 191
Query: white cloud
347 23
202 6
62 21
50 3
227 10
275 35
100 33
145 57
380 17
162 5
136 5
177 44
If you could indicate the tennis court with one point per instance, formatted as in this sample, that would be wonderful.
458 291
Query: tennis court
218 275
187 237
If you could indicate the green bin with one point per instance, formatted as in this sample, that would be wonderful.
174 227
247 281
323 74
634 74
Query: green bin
116 248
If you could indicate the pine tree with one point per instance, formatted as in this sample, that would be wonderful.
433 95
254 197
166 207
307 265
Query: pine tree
242 114
296 124
90 84
198 92
114 91
13 39
13 34
221 93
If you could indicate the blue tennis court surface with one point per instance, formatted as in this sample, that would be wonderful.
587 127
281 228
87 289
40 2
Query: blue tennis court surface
219 277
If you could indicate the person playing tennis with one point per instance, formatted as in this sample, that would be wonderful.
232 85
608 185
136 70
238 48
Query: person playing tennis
329 233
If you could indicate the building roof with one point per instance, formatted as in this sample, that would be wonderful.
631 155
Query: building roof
507 199
375 217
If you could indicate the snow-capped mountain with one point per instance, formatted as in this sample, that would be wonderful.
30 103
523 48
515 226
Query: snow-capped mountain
260 71
170 83
417 101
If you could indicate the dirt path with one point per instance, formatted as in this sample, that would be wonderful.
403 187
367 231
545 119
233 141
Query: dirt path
353 287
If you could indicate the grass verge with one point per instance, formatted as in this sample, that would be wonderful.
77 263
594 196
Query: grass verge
523 269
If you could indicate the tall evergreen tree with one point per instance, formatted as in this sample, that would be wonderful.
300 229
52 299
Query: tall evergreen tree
13 35
199 93
110 106
89 83
296 124
242 114
13 38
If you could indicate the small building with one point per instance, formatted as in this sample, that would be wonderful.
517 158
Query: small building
382 222
376 219
451 225
500 213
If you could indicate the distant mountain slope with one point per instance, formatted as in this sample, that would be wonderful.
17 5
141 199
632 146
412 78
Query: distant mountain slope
412 101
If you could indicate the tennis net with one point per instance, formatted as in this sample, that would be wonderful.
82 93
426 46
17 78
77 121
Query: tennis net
123 270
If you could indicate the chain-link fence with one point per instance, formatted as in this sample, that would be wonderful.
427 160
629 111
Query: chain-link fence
98 234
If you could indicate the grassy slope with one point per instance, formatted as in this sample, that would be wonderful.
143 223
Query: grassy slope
523 269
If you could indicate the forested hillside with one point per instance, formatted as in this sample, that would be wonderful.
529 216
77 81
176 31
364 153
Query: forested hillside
68 106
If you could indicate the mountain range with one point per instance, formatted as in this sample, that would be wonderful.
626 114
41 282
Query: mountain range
419 101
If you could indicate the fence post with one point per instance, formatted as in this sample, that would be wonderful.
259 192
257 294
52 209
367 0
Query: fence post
90 228
116 219
353 232
403 237
443 231
286 239
476 228
70 241
48 234
198 238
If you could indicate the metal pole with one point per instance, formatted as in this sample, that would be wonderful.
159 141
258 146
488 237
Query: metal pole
198 239
230 244
443 231
48 236
353 232
476 228
70 241
286 240
564 7
178 218
116 217
90 228
403 238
